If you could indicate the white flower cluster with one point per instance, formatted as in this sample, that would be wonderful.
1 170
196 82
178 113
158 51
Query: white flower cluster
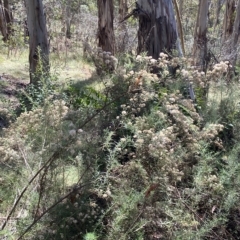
104 61
41 123
211 131
162 142
221 67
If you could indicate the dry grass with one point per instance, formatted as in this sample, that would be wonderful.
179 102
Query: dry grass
15 65
66 68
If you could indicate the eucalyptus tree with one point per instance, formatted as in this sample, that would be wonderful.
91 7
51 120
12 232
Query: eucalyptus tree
38 43
157 27
123 38
228 22
219 5
69 9
181 7
200 36
6 20
106 39
235 35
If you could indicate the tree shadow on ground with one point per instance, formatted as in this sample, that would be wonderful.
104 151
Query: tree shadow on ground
9 102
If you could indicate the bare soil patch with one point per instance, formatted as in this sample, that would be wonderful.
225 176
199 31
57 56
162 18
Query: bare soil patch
9 103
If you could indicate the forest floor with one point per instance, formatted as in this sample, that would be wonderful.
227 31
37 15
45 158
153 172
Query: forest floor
14 75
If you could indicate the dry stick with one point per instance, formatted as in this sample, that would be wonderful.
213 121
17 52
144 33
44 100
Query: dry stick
136 219
180 26
42 181
179 195
25 159
56 203
50 208
51 159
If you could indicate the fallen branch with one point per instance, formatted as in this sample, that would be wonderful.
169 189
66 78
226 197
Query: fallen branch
51 159
54 205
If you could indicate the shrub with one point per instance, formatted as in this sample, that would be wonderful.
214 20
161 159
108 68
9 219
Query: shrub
149 151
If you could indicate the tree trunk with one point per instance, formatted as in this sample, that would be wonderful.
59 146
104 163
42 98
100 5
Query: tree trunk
235 34
179 24
228 19
6 20
68 22
157 28
123 9
123 41
38 44
105 26
3 26
219 5
200 37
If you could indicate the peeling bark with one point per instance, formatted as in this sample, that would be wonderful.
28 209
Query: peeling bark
105 26
200 36
157 28
38 44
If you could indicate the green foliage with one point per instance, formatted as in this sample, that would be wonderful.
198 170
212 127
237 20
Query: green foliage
90 236
35 95
133 158
86 97
129 156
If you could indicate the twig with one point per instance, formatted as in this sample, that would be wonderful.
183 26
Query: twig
42 181
54 205
179 195
136 219
51 159
46 211
25 159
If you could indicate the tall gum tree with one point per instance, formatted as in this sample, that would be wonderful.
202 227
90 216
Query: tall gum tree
6 20
38 43
200 36
106 38
157 28
218 7
228 21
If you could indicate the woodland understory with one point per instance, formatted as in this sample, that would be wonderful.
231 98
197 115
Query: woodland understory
120 144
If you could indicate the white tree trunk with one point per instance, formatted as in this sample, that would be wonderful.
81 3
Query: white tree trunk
38 44
200 37
157 27
105 25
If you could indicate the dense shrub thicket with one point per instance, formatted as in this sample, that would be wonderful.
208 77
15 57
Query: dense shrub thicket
138 156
